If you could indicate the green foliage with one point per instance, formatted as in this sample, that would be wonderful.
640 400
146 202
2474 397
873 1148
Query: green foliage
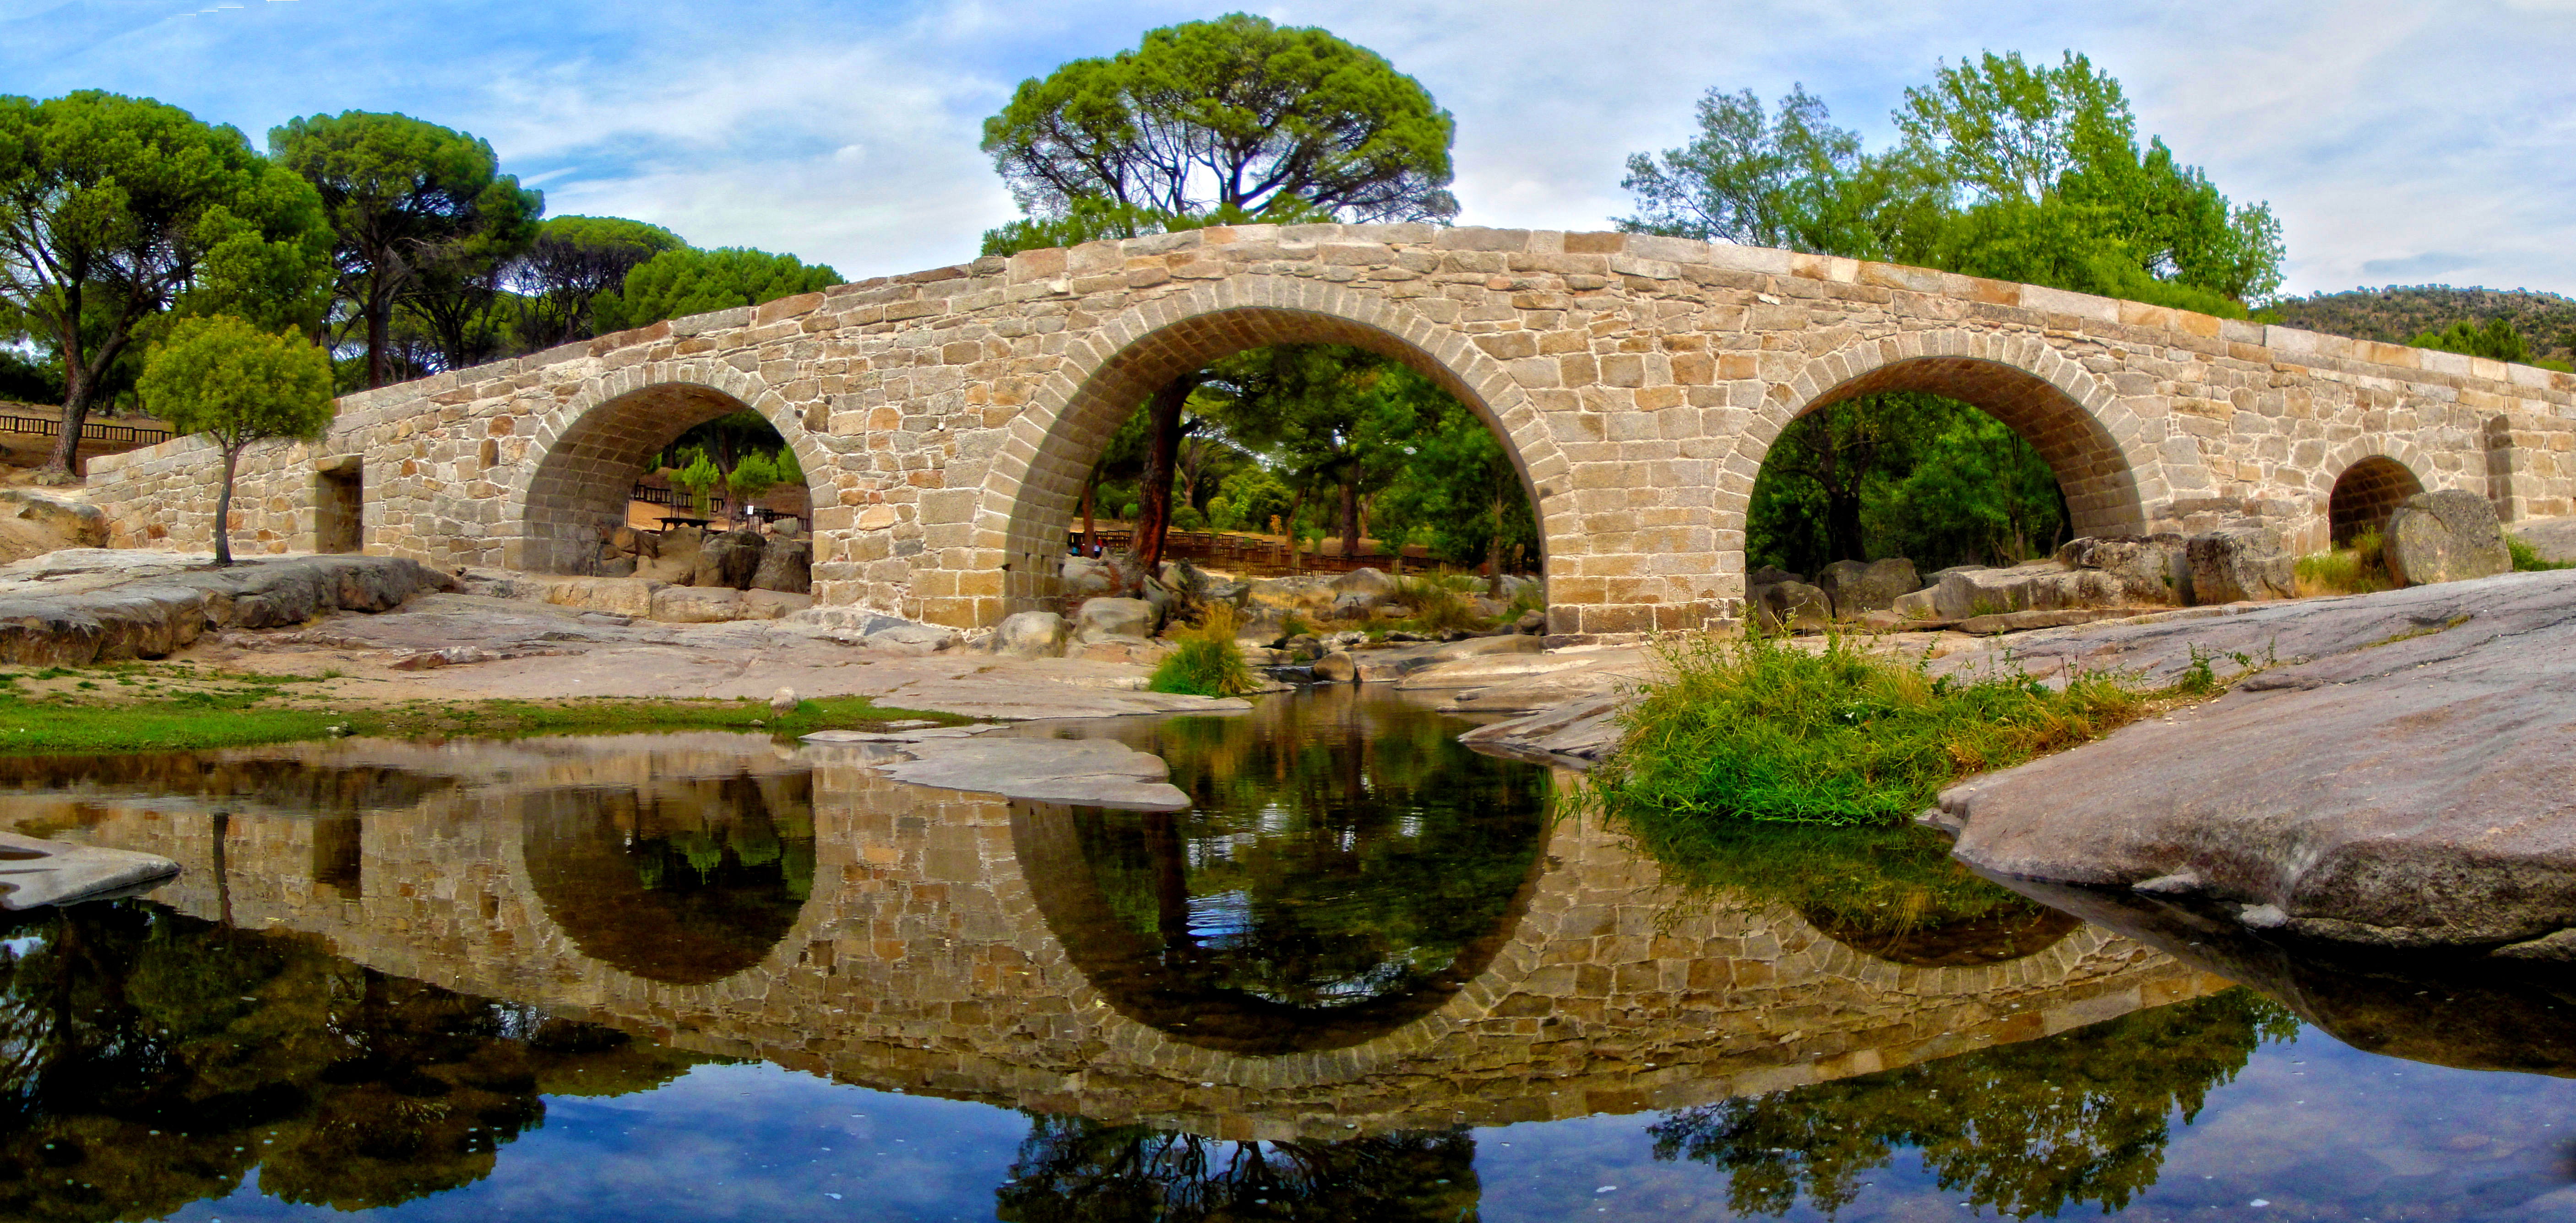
2527 559
2029 1129
26 379
2398 313
2497 340
679 283
2355 569
417 208
573 263
2006 169
1762 730
698 477
1234 113
224 378
1901 474
117 212
752 477
1090 218
1208 662
1438 606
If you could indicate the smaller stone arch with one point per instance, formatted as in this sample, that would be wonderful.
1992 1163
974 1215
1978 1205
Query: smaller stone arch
2361 482
2365 494
586 454
2107 460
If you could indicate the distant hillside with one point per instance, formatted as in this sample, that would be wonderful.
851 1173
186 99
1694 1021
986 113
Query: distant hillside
2399 313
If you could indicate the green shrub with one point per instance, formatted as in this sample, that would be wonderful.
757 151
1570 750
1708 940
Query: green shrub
1438 605
1763 730
1207 662
2358 569
2527 559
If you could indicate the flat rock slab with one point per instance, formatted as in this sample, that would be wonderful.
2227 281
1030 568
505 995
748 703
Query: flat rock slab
2413 784
1077 772
37 872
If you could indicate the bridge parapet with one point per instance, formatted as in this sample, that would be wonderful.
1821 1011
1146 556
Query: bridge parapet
945 418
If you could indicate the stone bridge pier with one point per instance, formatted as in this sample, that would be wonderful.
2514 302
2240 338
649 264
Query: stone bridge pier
945 419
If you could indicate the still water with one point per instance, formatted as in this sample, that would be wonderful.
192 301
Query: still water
1364 977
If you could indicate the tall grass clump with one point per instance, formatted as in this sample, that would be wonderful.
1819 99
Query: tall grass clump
1762 730
2357 569
1438 606
2527 559
1208 662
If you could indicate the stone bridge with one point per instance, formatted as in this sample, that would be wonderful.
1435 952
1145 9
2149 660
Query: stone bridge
932 951
946 419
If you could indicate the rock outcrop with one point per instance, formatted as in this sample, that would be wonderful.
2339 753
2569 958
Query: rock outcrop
162 614
1791 607
2412 783
2445 536
2241 564
1867 586
36 872
1102 619
1030 634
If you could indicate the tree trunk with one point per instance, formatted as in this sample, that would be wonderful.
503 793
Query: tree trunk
224 511
1090 535
80 390
1350 518
1494 552
1162 450
380 309
1295 504
1842 523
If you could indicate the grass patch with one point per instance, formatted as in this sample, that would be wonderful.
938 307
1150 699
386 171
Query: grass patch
1438 605
2527 559
1882 880
1207 662
2359 569
1762 731
248 714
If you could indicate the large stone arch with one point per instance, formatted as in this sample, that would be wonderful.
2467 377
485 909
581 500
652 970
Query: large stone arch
1034 483
2109 463
585 454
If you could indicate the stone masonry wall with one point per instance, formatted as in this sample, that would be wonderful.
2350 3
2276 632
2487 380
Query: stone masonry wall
945 418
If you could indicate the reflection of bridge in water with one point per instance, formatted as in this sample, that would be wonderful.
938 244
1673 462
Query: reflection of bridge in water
890 936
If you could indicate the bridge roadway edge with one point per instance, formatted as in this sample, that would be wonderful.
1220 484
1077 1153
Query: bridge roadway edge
944 416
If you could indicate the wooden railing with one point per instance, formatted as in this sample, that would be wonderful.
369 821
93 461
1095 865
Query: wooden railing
91 431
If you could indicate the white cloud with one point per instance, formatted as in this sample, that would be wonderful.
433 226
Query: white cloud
2384 132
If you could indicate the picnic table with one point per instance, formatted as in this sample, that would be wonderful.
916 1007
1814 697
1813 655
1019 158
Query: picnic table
683 520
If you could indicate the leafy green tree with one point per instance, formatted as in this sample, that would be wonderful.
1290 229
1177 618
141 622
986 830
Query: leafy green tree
573 263
752 477
698 477
236 384
679 283
117 212
1791 180
403 196
1457 487
1976 494
1235 113
2497 341
1092 219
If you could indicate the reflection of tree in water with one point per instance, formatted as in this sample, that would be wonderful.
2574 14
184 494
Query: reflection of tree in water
685 882
1072 1168
2025 1129
1892 893
1349 860
152 1060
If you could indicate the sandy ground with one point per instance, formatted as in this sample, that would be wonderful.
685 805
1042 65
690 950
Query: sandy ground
514 649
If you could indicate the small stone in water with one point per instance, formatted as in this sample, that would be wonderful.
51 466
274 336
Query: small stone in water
2258 1202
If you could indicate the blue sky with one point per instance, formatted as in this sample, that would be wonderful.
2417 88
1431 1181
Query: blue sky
2400 142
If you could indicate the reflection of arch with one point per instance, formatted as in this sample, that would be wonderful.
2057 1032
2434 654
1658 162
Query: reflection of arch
587 850
2365 494
1036 479
2100 450
2012 932
587 454
1128 971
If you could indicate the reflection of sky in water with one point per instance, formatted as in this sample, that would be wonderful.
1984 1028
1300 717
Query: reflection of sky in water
1222 921
2317 1130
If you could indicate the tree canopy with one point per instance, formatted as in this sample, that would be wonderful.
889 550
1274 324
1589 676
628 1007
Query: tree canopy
2006 169
117 212
405 196
1234 118
573 263
237 384
685 281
